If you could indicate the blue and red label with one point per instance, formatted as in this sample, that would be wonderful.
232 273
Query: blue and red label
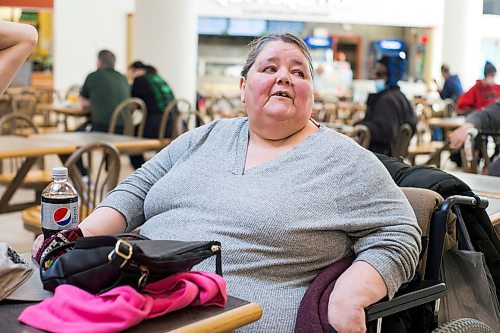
62 216
59 216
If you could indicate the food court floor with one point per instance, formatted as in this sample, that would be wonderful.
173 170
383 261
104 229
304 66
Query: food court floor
11 225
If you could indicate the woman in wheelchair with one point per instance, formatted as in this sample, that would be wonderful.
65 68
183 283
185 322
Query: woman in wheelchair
284 195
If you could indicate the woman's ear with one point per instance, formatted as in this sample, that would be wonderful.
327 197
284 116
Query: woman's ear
242 89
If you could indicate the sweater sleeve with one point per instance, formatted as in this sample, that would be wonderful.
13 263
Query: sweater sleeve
380 221
487 119
128 197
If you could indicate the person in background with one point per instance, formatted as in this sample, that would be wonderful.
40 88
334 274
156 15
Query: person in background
387 109
17 41
452 87
286 197
149 86
102 91
487 118
482 94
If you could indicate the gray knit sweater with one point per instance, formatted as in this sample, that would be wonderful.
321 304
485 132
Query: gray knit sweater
488 118
279 223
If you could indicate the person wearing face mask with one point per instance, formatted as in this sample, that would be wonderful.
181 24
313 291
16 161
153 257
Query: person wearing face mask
482 94
388 108
286 196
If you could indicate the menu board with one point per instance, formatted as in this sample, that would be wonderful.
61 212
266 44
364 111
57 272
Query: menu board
246 27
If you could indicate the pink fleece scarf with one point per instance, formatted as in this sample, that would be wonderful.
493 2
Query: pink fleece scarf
73 310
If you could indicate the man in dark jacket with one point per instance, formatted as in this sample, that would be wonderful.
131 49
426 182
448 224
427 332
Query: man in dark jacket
389 108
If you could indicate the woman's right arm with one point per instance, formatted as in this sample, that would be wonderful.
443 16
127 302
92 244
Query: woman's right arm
17 41
93 224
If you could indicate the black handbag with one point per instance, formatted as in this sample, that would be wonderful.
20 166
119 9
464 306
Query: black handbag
97 264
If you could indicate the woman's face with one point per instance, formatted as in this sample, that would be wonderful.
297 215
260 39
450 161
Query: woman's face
278 90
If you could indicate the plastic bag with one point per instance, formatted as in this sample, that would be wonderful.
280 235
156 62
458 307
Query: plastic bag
471 292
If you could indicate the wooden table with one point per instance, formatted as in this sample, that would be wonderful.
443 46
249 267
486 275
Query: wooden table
236 313
446 123
66 110
124 143
487 186
61 144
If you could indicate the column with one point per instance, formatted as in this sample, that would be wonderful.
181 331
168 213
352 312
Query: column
165 35
462 39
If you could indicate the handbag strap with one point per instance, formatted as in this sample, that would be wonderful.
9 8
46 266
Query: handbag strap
218 263
51 256
131 235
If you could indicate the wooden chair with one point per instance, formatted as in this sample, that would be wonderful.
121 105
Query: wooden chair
72 92
399 148
361 134
172 111
24 103
132 112
185 121
21 125
102 177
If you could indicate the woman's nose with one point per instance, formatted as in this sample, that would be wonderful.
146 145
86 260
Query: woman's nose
283 78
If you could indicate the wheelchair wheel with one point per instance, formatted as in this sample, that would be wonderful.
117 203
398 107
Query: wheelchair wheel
463 325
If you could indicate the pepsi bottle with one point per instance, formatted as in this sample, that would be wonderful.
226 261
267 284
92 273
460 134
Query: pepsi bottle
59 204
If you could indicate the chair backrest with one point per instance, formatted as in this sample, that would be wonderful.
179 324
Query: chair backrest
72 92
399 148
21 125
185 121
170 115
426 204
361 134
24 103
132 112
102 176
17 124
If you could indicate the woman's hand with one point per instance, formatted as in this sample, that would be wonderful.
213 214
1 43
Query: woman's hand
346 316
37 244
359 286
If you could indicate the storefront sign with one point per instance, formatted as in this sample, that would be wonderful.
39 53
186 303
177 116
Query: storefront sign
422 13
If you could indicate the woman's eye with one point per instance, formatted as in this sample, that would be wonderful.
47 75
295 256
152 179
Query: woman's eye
270 69
299 74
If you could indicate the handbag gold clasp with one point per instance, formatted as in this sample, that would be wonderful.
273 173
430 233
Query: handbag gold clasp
120 246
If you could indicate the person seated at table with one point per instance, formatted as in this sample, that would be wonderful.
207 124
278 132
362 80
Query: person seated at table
149 86
17 41
284 195
102 91
452 87
482 94
487 118
387 109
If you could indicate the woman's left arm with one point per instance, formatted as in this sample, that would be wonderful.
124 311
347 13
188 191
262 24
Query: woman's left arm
358 287
385 237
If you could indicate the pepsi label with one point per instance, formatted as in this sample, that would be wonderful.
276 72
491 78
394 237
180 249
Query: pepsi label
59 214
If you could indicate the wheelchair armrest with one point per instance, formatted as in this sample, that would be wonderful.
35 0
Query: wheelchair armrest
420 293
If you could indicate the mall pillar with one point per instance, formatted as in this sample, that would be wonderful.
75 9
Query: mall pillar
462 39
165 35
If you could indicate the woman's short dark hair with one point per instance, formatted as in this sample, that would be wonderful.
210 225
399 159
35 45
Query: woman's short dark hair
258 45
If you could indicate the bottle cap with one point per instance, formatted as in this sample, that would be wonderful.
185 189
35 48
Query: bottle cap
59 172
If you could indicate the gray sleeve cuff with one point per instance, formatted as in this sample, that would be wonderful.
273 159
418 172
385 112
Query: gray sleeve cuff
130 206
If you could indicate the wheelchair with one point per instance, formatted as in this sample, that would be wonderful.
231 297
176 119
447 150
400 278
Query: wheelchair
421 297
